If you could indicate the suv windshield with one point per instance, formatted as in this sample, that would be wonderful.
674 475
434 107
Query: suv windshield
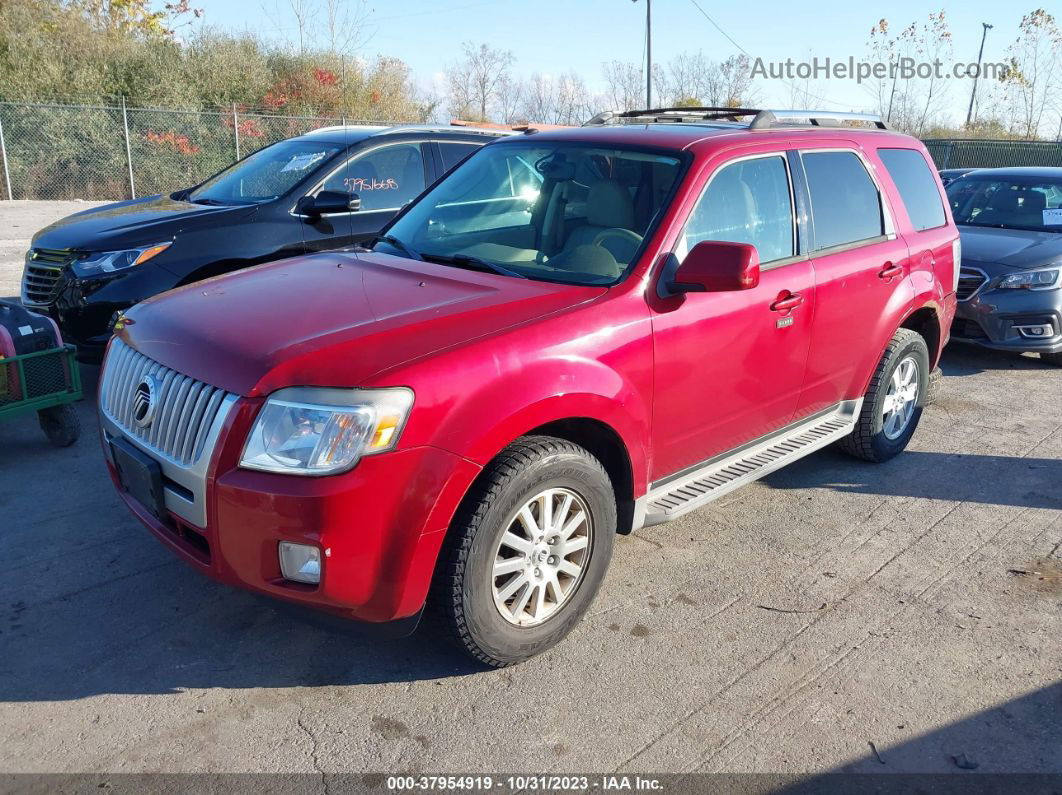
564 212
265 175
1008 202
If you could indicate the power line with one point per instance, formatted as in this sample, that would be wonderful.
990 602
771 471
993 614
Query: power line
792 85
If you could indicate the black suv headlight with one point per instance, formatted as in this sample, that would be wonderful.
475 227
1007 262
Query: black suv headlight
110 261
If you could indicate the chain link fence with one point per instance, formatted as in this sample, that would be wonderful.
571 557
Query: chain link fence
110 152
981 153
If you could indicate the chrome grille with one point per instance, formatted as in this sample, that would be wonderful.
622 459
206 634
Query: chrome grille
185 410
40 279
970 281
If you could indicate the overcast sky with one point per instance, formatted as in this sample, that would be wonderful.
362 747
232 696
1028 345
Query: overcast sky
553 36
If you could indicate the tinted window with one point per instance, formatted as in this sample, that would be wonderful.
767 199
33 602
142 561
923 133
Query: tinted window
844 199
747 202
384 178
454 153
917 187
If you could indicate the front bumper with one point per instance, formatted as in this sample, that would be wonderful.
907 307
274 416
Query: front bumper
994 318
85 308
379 526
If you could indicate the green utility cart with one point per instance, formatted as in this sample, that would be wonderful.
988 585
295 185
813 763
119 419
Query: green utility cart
47 382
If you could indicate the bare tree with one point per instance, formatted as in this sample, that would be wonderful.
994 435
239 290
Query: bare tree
346 25
573 103
1033 76
304 12
540 99
624 85
911 100
476 81
510 99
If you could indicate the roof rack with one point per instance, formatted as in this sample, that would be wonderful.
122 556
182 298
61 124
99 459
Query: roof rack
762 119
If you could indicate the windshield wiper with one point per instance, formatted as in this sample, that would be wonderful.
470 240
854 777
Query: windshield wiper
473 263
213 202
393 241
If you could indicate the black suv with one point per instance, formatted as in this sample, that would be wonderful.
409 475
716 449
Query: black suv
328 189
1010 285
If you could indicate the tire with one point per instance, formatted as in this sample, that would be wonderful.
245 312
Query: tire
935 387
1052 358
465 588
60 424
872 439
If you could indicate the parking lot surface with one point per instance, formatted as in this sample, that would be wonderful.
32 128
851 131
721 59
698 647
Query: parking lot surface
915 606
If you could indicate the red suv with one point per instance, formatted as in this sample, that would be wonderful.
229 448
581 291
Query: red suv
574 334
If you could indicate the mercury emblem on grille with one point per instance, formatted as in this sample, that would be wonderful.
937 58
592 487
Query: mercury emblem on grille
144 401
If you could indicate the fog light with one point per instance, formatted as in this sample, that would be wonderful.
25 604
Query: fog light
300 562
1039 330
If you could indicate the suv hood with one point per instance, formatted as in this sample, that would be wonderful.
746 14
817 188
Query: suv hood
133 223
332 319
1003 250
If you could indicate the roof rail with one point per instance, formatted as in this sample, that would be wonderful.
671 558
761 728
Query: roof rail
670 114
816 118
762 119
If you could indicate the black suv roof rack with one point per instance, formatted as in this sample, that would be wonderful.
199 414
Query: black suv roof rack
762 119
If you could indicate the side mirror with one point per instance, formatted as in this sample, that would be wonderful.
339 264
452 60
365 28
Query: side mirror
329 201
716 267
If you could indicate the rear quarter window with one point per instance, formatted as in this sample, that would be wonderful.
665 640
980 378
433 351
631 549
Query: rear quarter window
845 203
918 189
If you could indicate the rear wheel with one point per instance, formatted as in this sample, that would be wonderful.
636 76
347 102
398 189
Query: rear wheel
60 424
1052 358
893 404
528 550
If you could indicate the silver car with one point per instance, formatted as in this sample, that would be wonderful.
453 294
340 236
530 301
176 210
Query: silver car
1010 284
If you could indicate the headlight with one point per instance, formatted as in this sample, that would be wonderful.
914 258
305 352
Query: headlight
111 261
319 431
1031 280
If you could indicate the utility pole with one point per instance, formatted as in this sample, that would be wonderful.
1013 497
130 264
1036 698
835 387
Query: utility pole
980 53
648 52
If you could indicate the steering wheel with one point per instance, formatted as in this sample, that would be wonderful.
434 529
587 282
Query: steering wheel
620 232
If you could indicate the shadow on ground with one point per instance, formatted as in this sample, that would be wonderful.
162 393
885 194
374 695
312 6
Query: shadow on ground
988 479
963 359
982 743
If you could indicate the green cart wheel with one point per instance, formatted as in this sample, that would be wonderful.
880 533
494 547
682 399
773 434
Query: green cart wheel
60 424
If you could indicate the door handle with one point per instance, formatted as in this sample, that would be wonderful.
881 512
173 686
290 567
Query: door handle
888 271
787 302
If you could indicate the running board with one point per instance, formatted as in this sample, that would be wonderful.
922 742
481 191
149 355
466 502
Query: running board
731 471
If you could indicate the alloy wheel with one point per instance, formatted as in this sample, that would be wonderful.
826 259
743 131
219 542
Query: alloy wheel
541 556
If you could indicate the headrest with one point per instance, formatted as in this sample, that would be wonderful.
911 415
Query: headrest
609 204
1033 201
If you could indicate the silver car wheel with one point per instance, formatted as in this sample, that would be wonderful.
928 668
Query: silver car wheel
901 399
541 556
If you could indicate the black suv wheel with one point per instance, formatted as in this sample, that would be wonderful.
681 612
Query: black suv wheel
527 550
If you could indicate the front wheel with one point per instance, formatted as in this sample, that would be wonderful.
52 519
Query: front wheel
527 551
893 404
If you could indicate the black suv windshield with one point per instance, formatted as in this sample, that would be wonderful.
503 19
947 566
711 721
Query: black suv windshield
1033 203
266 175
547 210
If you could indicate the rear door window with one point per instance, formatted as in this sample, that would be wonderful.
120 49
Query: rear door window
746 202
845 203
453 153
916 185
